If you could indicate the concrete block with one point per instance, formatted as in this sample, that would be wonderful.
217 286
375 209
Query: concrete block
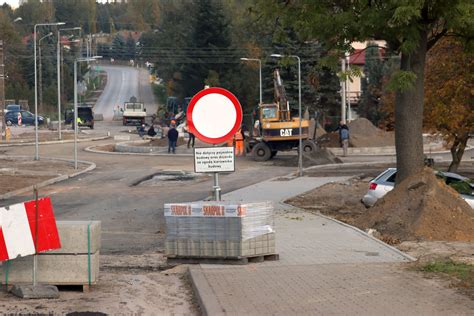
122 137
35 292
73 236
52 269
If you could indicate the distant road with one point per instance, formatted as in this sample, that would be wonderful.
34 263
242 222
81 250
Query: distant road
122 83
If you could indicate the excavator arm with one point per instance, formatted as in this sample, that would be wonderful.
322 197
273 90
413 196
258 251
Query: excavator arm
280 96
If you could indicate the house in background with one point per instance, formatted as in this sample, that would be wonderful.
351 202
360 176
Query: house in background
357 58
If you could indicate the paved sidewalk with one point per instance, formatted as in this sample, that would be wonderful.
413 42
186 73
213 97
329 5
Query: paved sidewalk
325 268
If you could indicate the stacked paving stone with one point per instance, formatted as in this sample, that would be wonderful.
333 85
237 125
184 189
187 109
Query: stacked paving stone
219 230
72 264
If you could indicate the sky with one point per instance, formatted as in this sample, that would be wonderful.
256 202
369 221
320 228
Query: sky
12 3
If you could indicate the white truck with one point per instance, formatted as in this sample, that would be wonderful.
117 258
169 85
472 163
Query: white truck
134 113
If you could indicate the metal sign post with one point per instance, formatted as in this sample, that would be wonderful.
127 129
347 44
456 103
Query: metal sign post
35 256
214 115
216 187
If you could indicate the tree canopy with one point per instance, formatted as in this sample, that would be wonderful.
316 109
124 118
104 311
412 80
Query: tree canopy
410 27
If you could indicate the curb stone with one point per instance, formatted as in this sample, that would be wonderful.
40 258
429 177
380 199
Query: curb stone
206 297
53 142
10 194
92 149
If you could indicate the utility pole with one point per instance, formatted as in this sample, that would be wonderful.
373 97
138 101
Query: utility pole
40 71
2 89
348 89
343 91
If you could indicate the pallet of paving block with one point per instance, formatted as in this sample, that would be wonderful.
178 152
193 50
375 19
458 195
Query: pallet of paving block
172 259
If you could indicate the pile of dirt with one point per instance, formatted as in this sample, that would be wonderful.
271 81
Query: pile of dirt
319 157
421 208
340 200
362 134
329 140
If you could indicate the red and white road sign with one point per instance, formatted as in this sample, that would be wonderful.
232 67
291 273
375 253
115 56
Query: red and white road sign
18 229
19 119
214 115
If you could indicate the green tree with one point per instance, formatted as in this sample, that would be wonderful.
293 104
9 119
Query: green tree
118 47
210 48
130 47
35 11
409 27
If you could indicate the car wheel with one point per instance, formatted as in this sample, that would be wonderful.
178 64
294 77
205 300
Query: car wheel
9 123
261 152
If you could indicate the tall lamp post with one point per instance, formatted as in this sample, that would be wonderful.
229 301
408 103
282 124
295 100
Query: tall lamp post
41 69
300 147
36 84
78 60
58 64
260 72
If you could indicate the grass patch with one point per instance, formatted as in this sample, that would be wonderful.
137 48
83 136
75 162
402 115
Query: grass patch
461 271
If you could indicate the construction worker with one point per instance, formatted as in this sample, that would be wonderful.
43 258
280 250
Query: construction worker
239 143
79 122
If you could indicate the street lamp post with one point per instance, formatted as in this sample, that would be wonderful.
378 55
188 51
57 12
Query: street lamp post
300 146
58 64
260 72
78 60
36 84
41 70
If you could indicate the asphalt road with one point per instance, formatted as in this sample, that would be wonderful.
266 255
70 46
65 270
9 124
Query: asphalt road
132 216
122 83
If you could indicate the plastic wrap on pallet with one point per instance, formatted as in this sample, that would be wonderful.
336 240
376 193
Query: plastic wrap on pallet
218 220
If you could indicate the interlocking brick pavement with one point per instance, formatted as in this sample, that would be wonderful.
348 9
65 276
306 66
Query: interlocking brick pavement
328 289
325 268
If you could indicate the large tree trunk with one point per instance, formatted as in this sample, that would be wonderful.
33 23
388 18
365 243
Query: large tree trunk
457 151
409 114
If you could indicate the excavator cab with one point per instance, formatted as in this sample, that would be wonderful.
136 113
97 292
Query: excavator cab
269 112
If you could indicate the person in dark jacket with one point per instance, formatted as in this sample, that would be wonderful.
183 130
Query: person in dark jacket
151 131
172 138
343 137
141 130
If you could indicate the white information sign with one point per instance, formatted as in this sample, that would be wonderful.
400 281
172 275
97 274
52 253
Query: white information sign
214 159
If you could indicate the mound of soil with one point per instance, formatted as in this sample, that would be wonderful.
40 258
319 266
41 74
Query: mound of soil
362 134
319 157
340 200
330 140
421 208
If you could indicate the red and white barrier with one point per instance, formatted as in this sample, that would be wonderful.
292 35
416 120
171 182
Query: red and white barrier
18 224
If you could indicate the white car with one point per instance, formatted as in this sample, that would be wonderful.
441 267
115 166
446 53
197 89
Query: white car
384 183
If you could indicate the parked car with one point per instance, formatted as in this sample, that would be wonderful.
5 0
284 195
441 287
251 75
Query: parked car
384 183
27 118
12 107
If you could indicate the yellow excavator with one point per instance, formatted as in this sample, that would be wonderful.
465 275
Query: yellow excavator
275 130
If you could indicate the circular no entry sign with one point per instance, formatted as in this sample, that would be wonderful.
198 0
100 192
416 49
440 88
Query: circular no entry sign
214 115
